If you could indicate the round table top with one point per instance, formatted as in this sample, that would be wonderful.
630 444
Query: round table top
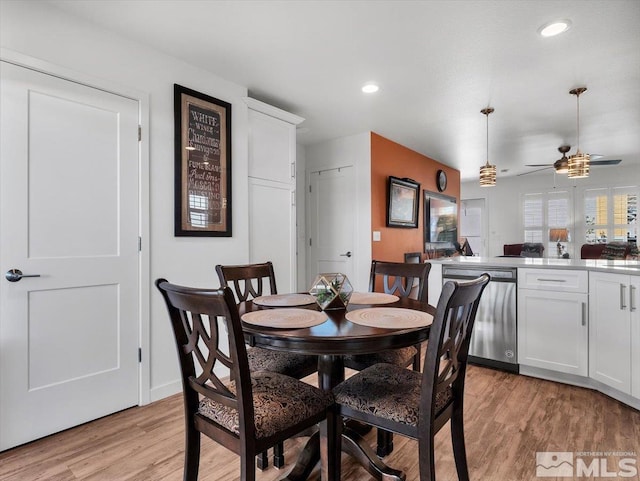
337 335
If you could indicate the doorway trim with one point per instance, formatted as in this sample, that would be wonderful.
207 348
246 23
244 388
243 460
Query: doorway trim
144 283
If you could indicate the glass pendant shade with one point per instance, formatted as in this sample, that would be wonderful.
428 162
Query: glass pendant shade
578 165
487 175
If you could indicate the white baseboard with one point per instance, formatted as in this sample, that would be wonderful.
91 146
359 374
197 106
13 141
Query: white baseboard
166 390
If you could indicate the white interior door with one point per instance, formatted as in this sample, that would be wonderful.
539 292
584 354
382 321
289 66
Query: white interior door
331 222
69 213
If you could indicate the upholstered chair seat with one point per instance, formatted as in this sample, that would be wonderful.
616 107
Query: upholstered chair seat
292 364
279 402
400 357
388 392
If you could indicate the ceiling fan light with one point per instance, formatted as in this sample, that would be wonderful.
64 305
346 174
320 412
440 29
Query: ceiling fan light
578 166
561 166
487 175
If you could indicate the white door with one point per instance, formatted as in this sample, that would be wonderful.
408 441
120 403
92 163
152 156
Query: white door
68 213
331 222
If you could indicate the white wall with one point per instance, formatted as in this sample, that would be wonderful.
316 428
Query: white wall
504 202
353 150
46 33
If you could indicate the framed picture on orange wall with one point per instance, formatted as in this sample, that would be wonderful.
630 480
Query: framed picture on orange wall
403 201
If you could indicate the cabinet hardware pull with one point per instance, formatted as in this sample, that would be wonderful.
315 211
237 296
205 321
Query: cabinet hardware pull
632 298
623 306
551 280
584 313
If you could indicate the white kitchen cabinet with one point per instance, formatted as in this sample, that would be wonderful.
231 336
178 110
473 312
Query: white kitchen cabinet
272 190
553 328
634 301
614 350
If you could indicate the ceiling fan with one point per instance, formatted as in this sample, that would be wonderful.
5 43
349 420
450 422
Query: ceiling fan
561 165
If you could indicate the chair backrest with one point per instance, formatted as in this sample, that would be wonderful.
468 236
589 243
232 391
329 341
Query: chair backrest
512 249
448 347
532 249
194 315
248 280
398 278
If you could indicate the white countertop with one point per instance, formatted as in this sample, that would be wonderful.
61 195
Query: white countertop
613 266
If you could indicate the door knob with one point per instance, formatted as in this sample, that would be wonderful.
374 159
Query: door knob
347 254
14 275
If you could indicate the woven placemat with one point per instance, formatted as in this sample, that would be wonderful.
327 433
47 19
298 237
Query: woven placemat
284 318
372 298
390 318
285 300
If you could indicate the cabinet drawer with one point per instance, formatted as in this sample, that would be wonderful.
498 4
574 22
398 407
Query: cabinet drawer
557 280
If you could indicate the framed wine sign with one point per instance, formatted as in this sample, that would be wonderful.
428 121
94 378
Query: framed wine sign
202 164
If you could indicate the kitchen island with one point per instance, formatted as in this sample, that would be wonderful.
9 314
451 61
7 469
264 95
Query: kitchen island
577 321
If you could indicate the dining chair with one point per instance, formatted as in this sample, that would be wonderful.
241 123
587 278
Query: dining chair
397 278
248 282
417 404
252 410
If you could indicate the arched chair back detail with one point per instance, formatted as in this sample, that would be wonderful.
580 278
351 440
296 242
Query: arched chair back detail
415 404
249 412
249 280
398 278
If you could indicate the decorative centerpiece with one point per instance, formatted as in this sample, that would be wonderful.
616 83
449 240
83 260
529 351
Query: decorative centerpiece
331 290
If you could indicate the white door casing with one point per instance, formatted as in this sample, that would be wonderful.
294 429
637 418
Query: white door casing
331 222
69 176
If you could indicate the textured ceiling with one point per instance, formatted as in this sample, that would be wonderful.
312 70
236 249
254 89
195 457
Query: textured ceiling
438 63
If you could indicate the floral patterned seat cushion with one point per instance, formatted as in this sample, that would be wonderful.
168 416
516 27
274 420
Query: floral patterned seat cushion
388 392
398 357
289 363
279 402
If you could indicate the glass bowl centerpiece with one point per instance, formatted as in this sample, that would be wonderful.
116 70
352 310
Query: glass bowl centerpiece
331 290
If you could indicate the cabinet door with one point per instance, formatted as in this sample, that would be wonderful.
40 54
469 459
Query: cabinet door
610 330
634 306
553 331
272 228
272 148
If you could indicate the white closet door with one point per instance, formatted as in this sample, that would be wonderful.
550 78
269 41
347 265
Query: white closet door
69 213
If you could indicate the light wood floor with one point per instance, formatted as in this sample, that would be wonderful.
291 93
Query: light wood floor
508 418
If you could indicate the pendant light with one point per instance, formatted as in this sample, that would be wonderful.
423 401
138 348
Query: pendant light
578 163
487 171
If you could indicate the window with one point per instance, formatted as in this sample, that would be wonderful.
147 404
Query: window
547 220
611 214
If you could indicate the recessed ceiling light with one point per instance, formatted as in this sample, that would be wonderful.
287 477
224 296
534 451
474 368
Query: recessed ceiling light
554 28
370 88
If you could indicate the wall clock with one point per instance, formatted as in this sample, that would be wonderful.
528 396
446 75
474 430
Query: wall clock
441 180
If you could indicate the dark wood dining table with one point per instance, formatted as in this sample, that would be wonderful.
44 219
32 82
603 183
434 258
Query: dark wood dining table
331 340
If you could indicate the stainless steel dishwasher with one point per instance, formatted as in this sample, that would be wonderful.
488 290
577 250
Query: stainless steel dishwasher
493 342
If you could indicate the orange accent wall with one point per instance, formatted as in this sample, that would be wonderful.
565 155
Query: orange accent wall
389 158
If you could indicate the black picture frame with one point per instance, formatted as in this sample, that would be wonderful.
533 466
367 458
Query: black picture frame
403 202
440 221
202 164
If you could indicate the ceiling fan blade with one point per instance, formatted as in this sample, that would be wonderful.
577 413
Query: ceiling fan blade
539 165
537 170
605 162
